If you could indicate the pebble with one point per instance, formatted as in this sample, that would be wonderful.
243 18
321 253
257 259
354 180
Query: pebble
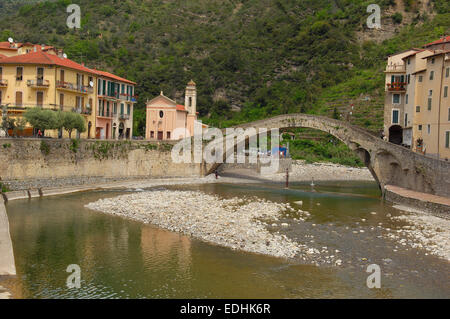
232 222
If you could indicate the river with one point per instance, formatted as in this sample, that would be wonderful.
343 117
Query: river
121 258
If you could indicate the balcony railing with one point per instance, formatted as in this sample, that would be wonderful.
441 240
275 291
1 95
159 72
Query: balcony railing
105 114
38 83
124 116
397 86
3 83
395 68
74 87
25 106
127 97
84 111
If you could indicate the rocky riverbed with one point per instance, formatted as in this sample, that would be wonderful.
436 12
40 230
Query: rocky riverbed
423 231
237 223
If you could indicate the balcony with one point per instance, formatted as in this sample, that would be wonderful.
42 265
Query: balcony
20 108
105 114
396 86
395 68
3 83
38 83
127 97
124 116
71 87
83 111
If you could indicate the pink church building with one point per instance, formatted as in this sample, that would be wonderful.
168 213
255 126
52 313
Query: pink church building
167 120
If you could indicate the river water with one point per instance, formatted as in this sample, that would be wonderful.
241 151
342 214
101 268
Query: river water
120 258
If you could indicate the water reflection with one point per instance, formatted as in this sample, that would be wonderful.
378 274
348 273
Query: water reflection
120 258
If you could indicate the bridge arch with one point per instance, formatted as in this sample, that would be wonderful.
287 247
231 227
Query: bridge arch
389 164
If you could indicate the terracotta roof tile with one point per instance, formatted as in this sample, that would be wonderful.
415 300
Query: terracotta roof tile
44 58
111 76
441 40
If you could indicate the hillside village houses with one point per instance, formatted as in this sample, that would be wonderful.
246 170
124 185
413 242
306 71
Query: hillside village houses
167 120
417 101
34 75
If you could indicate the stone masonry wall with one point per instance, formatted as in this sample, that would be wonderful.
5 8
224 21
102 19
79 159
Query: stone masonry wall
34 163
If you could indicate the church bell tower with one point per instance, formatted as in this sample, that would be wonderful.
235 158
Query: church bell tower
190 102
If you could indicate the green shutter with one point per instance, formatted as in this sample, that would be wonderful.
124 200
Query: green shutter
447 139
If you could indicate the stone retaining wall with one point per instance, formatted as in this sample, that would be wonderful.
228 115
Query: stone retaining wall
435 209
36 163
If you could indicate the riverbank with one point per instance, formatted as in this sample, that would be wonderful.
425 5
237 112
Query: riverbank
304 172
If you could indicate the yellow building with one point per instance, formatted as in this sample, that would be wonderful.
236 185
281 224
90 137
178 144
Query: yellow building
41 76
417 106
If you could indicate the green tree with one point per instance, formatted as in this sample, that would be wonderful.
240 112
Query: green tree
7 123
72 121
41 119
19 126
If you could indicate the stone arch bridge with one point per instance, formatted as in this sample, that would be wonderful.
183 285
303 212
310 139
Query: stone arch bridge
390 164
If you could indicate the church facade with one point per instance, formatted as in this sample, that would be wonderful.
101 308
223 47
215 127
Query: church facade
167 120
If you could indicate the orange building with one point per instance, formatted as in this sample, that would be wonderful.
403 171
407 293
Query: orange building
167 120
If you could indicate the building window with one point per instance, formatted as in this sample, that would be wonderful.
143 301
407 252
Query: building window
420 78
1 72
152 134
406 119
168 135
449 114
128 109
409 61
396 99
408 78
430 101
39 99
447 72
190 101
406 99
431 75
419 127
19 96
121 108
432 61
61 101
430 93
19 73
447 139
395 116
161 114
428 128
445 91
417 108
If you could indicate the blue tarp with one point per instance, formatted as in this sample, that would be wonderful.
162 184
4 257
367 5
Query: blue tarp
276 150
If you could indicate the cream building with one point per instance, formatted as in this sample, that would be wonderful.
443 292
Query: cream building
417 104
167 120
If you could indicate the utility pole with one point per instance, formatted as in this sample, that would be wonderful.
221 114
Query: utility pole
287 177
